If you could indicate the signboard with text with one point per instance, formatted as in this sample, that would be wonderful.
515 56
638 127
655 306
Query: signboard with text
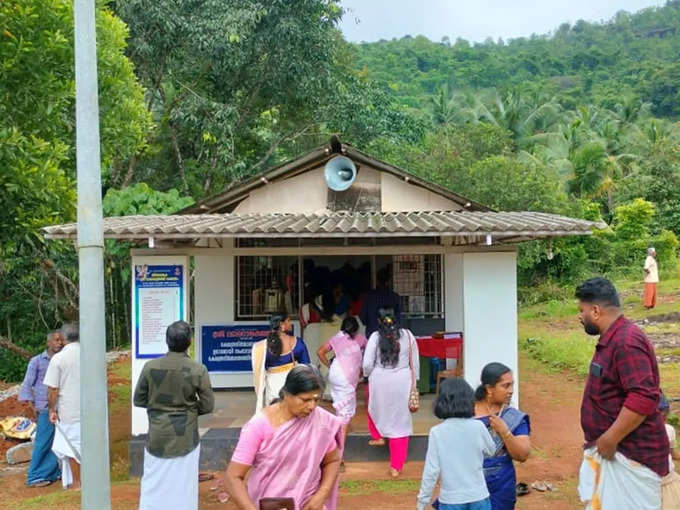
159 301
228 348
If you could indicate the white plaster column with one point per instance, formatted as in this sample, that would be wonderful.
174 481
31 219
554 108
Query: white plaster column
490 312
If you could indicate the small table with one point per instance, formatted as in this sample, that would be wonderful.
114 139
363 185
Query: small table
449 347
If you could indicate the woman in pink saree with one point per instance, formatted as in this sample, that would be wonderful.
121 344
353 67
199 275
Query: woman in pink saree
292 449
345 369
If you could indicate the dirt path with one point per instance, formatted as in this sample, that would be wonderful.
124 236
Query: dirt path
552 400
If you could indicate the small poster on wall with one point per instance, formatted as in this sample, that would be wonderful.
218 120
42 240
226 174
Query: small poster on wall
228 348
159 301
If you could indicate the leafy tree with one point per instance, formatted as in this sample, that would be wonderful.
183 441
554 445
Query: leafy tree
139 199
37 94
250 84
38 279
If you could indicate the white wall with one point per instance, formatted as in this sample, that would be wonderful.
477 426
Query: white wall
304 193
400 196
214 301
453 295
490 312
308 193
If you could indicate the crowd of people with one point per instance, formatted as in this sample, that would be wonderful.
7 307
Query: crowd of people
289 453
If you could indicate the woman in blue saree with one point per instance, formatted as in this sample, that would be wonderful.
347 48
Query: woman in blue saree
509 428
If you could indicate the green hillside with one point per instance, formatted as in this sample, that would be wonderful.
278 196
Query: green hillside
581 63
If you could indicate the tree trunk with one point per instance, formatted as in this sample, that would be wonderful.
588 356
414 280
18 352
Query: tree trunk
178 156
19 351
130 172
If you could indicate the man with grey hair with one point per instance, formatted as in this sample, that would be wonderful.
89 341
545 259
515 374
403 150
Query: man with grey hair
63 380
651 271
44 467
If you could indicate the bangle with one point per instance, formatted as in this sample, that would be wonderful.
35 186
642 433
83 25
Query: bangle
506 435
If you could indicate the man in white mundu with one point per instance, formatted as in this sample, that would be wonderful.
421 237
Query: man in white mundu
63 380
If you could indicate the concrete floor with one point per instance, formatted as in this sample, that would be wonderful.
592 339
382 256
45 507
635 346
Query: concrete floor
234 409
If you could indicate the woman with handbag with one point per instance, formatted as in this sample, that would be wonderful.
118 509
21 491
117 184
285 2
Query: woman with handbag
274 357
391 364
292 449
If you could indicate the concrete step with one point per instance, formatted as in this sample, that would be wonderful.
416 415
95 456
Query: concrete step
217 446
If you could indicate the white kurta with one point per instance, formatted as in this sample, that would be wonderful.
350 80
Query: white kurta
170 483
389 387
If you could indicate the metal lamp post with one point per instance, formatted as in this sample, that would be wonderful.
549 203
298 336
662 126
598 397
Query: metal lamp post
96 490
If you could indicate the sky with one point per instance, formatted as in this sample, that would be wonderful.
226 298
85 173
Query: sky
474 20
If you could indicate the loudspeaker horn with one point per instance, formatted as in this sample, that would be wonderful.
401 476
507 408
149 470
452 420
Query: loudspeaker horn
340 173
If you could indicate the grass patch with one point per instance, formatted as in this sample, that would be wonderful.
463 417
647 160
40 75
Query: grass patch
120 391
120 394
670 378
557 350
559 344
63 499
357 487
551 309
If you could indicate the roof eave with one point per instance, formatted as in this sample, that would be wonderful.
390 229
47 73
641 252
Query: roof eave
497 235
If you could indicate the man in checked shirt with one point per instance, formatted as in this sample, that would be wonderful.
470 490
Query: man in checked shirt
626 446
44 467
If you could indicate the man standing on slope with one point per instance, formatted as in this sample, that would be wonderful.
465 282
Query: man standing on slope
626 450
651 270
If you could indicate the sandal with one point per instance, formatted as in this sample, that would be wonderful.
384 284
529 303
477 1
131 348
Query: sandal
394 473
41 483
376 442
522 489
223 497
539 486
204 477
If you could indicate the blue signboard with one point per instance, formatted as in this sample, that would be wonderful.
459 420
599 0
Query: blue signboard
159 301
228 348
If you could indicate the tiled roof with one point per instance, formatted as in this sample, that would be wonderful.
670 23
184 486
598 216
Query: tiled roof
508 225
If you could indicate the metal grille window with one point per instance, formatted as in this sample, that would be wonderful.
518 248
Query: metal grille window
418 280
267 285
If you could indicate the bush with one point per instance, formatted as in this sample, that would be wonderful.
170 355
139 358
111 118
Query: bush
632 221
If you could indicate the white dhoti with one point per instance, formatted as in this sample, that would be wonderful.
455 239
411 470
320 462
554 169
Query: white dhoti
343 394
66 445
617 484
170 483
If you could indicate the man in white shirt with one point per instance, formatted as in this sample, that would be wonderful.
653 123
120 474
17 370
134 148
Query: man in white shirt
63 380
651 279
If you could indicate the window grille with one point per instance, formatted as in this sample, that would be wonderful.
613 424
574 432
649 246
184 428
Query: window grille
418 280
267 285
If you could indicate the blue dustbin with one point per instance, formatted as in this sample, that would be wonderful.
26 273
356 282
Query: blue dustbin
436 366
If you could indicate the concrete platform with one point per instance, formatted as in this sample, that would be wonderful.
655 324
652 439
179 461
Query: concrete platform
220 431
